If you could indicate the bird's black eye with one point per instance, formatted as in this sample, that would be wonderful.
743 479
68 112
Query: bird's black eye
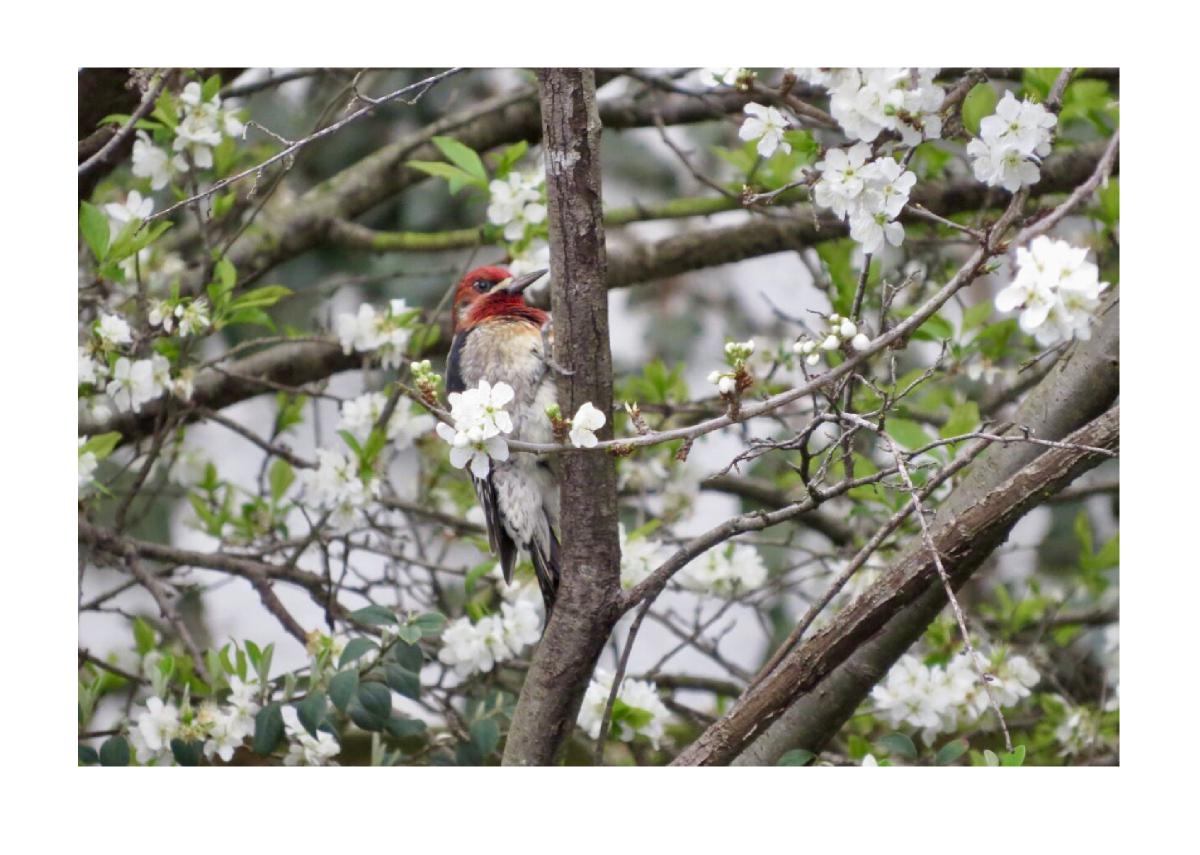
482 285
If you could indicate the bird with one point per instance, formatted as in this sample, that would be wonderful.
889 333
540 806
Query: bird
500 338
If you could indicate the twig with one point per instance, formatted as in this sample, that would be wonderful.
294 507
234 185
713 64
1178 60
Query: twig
143 109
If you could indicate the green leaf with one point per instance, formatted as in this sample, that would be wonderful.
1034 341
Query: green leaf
1110 202
402 728
456 177
462 156
409 634
796 757
509 158
268 729
485 736
979 104
1037 82
475 574
977 315
88 755
133 238
114 752
407 656
355 648
950 752
311 711
342 687
94 227
374 615
935 328
254 317
908 434
280 476
143 636
430 623
963 419
211 88
371 706
260 298
900 744
402 680
186 753
1016 758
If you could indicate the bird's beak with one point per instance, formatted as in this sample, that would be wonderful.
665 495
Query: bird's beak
519 284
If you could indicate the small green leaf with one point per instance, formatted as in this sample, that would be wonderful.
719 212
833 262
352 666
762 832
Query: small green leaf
475 574
268 729
114 752
342 688
796 757
88 755
897 743
251 317
371 706
462 156
402 680
311 711
374 615
186 753
977 315
978 105
355 648
402 728
485 736
211 88
94 226
260 298
950 752
430 623
963 419
409 634
280 476
456 177
143 636
1016 758
909 434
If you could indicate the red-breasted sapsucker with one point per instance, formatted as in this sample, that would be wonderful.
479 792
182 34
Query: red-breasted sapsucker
500 338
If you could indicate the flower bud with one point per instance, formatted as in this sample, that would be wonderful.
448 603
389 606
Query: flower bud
830 343
860 342
727 385
847 329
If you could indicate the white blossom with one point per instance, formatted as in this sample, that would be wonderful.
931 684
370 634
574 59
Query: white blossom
87 464
724 571
712 77
304 749
133 208
113 330
479 422
767 125
150 161
1056 288
133 384
193 318
867 101
359 416
1011 143
336 486
640 556
870 196
649 712
584 424
516 201
158 724
91 371
367 330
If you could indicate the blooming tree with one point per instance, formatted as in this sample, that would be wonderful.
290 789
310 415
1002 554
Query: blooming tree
813 472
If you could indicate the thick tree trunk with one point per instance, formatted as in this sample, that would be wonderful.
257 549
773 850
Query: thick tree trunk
589 593
1084 383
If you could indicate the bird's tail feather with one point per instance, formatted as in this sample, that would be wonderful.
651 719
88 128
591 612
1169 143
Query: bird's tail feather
547 568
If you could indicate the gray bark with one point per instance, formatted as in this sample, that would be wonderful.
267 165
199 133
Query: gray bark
1083 384
588 596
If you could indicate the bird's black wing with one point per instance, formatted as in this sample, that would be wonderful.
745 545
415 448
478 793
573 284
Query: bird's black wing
502 545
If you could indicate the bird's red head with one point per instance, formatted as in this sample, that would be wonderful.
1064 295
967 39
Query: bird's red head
489 292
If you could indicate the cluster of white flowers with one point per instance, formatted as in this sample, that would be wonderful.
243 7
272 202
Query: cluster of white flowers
135 382
938 698
87 464
386 333
479 422
870 196
517 201
112 331
639 557
359 415
649 712
840 331
1012 142
767 125
336 486
725 571
736 354
222 728
470 648
202 123
133 208
192 315
867 101
1056 288
585 422
304 749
